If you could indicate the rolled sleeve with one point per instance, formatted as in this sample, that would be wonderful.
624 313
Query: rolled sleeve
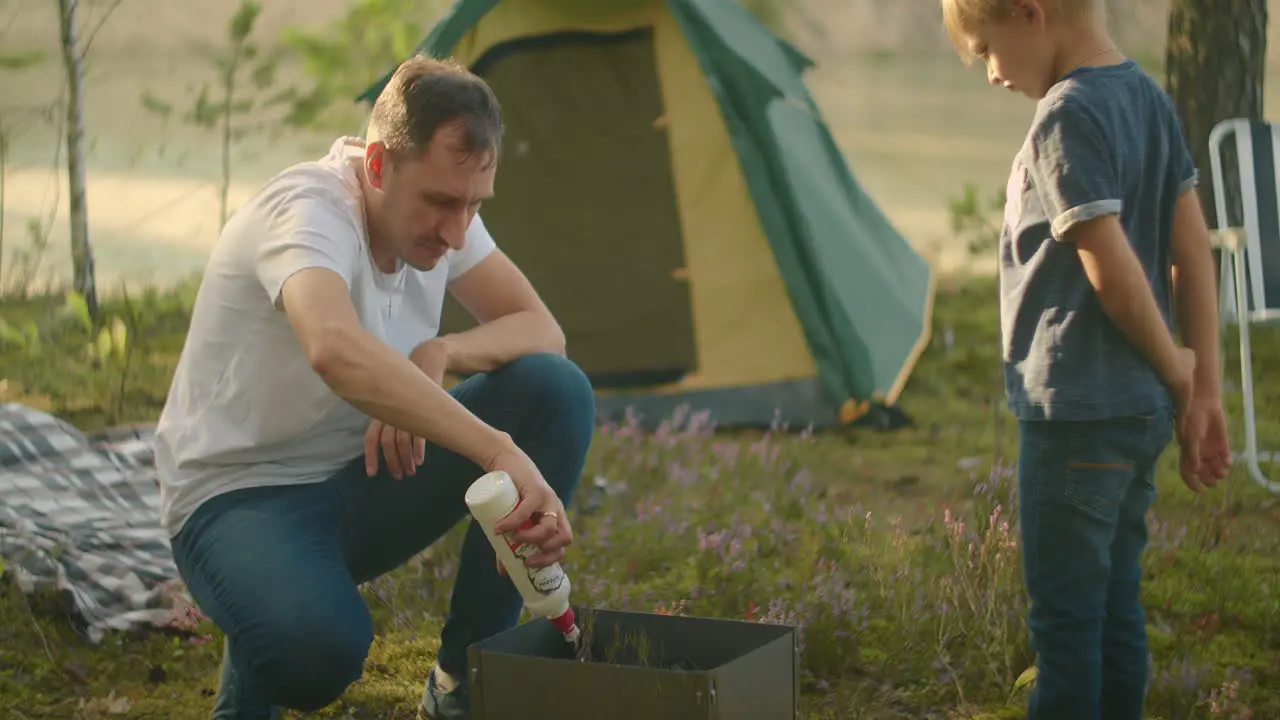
1072 168
1188 173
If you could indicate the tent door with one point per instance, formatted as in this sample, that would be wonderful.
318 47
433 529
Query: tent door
585 201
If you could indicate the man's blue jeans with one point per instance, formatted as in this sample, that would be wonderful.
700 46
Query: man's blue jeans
1085 489
277 568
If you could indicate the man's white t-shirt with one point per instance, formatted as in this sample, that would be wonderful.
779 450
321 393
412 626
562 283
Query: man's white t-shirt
245 407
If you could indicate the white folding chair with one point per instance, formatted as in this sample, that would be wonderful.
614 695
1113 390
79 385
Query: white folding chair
1250 274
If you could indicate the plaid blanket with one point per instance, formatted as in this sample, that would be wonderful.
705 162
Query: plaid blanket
80 514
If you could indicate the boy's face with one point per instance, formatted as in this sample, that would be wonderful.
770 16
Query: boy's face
1017 50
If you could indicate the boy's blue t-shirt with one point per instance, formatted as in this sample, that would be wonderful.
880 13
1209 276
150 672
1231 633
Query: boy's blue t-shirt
1104 140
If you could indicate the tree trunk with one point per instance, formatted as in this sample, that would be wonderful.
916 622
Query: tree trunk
81 250
228 100
1214 69
4 166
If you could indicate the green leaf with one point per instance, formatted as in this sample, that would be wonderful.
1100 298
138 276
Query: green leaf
119 337
32 332
264 75
1028 677
102 349
205 113
155 105
306 109
243 21
9 335
280 97
20 61
342 58
78 308
223 64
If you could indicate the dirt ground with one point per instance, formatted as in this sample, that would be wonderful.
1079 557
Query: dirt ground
914 123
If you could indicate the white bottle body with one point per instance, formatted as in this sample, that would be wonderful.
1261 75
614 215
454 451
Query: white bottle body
545 590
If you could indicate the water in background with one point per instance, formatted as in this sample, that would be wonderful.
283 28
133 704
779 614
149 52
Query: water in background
914 123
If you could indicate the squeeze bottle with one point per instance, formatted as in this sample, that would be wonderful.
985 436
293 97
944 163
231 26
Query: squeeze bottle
545 590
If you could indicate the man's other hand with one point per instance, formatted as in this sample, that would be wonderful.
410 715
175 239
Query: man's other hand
404 452
432 358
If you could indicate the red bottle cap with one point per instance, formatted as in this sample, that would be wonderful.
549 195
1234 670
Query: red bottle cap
565 623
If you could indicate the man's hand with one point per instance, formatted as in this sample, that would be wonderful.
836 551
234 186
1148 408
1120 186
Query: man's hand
432 357
511 320
375 378
547 527
404 452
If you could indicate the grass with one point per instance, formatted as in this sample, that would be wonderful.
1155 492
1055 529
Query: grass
896 553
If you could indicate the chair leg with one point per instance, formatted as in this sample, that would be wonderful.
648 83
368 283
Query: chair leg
1243 320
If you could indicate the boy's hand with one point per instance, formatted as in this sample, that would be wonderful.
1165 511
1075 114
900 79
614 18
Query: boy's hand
1202 430
1190 425
1215 448
1202 435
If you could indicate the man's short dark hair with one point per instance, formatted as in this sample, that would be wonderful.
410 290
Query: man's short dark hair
425 93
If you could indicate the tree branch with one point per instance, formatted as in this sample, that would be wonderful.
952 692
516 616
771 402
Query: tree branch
88 41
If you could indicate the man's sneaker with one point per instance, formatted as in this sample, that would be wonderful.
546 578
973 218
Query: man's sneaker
439 705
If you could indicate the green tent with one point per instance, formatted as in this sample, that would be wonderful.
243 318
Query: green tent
671 189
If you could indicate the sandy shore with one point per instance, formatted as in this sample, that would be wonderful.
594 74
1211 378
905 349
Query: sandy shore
915 129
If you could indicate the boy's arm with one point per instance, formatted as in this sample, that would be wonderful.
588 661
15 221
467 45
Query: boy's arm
1121 286
1072 167
1195 289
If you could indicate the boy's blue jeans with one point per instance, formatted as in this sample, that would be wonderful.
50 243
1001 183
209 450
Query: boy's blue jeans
277 568
1085 489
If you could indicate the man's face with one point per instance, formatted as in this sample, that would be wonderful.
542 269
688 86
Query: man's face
428 202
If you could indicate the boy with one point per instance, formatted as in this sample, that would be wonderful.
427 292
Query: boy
1103 233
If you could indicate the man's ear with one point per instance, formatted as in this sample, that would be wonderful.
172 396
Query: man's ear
375 158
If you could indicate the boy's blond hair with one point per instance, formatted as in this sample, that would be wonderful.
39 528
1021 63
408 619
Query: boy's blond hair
961 17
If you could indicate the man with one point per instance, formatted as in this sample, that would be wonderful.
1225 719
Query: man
307 445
